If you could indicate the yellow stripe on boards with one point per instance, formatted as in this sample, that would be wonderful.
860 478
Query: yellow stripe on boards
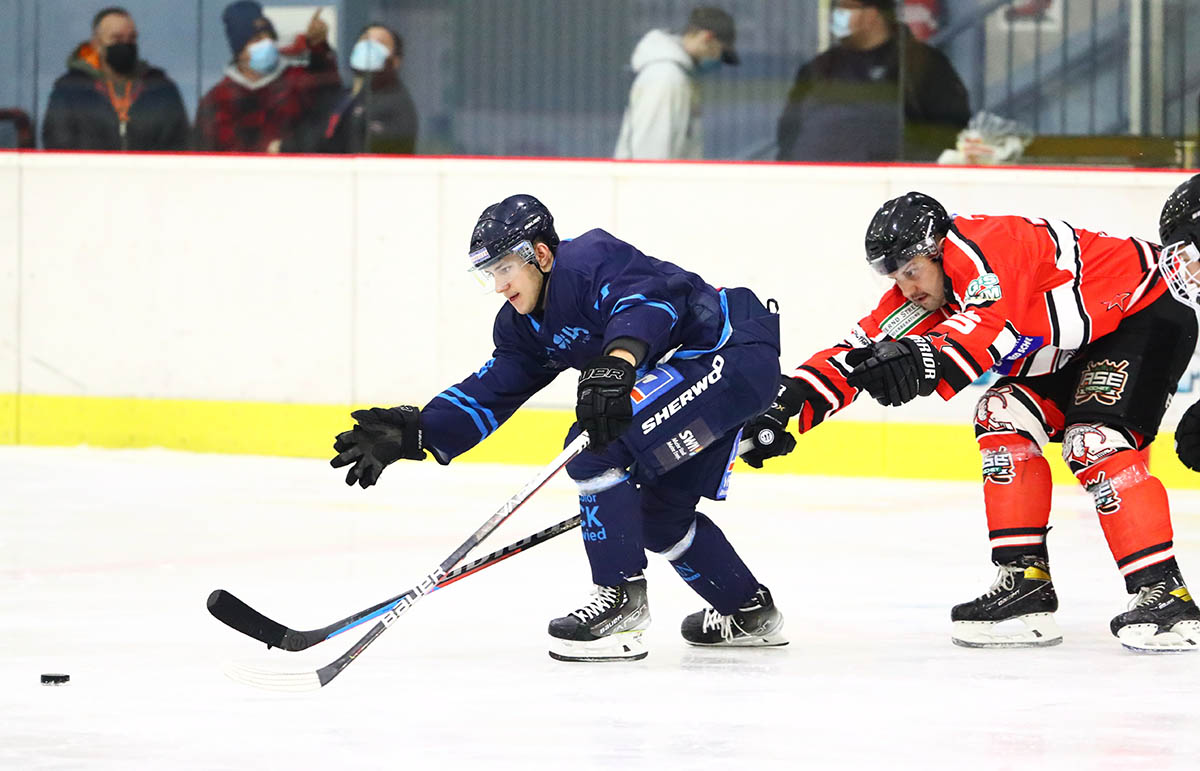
836 448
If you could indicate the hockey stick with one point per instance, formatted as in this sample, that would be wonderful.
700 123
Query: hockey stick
234 613
310 680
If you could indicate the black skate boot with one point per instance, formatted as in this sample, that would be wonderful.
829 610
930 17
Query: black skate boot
1023 592
758 623
609 628
1162 618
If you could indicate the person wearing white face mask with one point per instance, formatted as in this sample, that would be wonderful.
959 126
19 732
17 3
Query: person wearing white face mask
376 114
264 98
662 119
845 103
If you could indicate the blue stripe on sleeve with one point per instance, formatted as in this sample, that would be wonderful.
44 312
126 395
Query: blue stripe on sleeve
471 401
631 300
483 432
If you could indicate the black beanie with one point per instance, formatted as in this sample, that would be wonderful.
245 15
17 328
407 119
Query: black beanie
243 20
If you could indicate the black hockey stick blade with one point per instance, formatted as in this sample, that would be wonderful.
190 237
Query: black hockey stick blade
231 611
310 680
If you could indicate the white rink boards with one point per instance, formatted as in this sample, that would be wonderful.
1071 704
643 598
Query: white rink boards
106 557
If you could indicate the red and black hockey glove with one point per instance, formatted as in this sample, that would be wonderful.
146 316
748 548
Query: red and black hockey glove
603 406
768 431
381 437
895 372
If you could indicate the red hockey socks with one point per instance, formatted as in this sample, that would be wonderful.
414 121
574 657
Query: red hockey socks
1016 495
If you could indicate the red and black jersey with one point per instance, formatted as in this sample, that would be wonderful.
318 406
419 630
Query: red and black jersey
1024 296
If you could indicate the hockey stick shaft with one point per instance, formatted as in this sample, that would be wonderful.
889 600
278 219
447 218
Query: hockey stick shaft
426 586
234 613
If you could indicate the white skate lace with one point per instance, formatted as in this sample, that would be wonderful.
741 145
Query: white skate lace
714 620
603 598
1147 595
1004 581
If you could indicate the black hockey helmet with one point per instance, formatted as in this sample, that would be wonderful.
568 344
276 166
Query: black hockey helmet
903 228
504 225
1180 218
1179 229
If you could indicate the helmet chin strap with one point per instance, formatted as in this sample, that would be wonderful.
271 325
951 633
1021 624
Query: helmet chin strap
540 308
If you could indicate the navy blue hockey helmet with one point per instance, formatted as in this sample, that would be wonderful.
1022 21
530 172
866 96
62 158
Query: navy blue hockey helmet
1179 230
504 225
904 228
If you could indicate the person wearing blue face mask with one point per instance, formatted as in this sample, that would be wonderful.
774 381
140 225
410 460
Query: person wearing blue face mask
264 97
662 119
845 104
376 114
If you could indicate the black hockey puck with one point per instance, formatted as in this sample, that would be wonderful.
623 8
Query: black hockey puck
53 678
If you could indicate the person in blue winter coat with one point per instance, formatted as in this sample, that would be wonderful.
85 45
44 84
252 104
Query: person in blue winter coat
670 368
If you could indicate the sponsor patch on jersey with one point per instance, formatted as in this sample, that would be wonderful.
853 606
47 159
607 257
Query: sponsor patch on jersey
1025 345
985 289
904 319
1103 381
655 382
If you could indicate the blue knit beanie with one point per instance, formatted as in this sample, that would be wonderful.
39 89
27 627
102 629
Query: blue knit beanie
243 20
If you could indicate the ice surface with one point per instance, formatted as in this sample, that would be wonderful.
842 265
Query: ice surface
106 558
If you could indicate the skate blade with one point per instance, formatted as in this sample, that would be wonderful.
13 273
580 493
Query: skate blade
622 646
1036 630
1184 637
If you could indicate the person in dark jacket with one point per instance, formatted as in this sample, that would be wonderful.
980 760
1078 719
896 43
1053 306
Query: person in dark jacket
376 114
845 103
264 98
109 99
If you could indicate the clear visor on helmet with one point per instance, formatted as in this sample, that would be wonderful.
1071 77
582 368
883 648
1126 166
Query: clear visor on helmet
1180 265
493 273
890 263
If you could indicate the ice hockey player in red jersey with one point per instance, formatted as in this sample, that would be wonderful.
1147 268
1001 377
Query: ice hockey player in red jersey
1090 347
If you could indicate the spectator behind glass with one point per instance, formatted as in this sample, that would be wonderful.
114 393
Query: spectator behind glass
111 100
264 98
662 119
844 104
376 114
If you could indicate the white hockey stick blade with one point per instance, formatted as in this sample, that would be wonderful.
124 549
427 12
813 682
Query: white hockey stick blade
1184 637
271 680
1033 630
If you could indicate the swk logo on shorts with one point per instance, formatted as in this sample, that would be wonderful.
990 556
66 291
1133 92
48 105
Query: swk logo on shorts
1103 381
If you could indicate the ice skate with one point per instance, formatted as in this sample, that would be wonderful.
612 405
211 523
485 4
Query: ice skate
1017 612
758 623
1162 618
609 628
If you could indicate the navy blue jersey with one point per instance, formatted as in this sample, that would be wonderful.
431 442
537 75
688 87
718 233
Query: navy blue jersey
600 289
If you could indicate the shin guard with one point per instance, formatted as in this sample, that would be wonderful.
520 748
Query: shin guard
1016 495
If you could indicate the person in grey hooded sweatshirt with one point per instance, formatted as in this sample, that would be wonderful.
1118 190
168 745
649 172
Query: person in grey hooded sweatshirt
662 119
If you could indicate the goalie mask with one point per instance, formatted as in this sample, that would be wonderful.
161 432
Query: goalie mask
1179 232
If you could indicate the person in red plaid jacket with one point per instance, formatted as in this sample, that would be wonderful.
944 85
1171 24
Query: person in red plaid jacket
263 99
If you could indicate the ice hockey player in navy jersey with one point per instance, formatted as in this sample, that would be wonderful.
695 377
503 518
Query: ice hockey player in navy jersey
670 368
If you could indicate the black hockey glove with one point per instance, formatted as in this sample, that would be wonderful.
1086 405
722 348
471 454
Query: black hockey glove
768 431
382 437
1187 438
895 371
603 406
